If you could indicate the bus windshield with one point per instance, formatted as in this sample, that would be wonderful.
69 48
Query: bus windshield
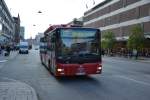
79 42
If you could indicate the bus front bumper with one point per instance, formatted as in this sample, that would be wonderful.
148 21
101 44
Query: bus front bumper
78 69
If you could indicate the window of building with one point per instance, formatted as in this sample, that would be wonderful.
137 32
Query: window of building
124 3
145 10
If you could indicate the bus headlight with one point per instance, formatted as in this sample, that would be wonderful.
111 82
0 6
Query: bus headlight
99 68
60 70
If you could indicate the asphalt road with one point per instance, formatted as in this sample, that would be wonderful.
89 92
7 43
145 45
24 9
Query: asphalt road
121 80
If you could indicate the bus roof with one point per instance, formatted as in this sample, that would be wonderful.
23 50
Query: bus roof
63 26
90 28
87 28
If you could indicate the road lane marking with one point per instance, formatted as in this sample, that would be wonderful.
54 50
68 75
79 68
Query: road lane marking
1 61
131 79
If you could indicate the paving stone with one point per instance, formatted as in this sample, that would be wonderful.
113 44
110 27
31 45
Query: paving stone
16 91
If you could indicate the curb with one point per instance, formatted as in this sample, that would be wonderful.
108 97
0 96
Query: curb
144 60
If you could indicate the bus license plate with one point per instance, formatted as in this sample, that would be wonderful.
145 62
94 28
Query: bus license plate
80 73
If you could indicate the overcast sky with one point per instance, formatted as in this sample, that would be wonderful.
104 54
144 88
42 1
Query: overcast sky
53 12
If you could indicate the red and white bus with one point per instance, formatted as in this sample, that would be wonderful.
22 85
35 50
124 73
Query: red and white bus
69 51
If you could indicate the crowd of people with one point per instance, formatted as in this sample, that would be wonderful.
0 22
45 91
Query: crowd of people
5 50
127 53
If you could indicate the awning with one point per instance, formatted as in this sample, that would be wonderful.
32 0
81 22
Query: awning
3 39
7 36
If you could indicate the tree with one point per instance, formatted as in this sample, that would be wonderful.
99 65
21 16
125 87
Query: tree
136 39
108 40
103 44
75 19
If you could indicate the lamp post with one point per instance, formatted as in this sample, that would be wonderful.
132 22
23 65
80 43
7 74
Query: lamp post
39 11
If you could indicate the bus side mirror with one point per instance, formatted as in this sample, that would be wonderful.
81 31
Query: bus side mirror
98 34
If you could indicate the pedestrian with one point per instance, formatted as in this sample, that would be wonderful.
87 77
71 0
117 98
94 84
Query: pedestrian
135 53
0 50
130 53
7 50
103 52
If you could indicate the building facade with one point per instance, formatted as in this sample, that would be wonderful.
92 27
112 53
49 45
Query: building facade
37 38
22 31
119 17
17 29
6 24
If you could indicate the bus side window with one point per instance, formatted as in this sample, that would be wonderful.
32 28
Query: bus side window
49 47
53 41
53 38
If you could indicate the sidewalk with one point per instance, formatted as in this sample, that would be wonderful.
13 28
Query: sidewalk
140 59
14 90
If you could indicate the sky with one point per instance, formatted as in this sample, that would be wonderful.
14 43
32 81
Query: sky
53 12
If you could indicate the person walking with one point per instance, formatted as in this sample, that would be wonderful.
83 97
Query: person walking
103 52
7 50
135 53
0 50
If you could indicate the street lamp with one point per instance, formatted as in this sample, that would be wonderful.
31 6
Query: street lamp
39 11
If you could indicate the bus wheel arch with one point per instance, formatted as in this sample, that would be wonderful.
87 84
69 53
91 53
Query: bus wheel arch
49 66
41 60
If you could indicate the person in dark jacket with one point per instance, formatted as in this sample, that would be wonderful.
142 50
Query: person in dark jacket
0 50
7 50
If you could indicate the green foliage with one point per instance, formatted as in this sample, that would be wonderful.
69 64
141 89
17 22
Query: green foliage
108 40
103 44
136 39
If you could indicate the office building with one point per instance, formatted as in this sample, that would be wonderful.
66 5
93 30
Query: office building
119 17
6 24
22 32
